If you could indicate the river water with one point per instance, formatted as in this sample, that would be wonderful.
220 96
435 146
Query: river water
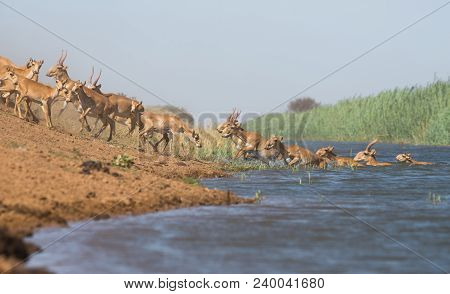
371 220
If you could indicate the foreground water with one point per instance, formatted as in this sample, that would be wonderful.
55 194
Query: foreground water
371 220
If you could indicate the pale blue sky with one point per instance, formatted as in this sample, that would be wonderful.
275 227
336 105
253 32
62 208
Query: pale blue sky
211 56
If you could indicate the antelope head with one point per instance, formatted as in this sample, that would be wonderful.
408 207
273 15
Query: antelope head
58 67
93 84
29 62
404 157
196 139
273 142
326 152
9 74
136 107
231 120
367 153
73 93
35 65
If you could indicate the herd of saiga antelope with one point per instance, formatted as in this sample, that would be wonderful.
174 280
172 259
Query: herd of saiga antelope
109 108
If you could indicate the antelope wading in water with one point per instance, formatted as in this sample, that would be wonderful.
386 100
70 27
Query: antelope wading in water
32 91
328 154
368 156
94 104
127 110
295 153
30 71
407 158
166 125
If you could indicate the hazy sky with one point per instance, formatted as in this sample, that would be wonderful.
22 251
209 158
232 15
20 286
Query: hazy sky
215 55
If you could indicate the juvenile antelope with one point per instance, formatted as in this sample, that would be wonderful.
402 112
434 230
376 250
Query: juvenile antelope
327 153
89 102
127 110
166 125
368 156
407 158
32 91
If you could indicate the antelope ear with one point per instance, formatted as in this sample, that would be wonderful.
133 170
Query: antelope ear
373 152
280 138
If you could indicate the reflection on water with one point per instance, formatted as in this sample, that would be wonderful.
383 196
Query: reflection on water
316 227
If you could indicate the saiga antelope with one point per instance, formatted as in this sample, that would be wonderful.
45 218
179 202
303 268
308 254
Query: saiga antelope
32 91
407 158
295 153
89 102
86 101
31 71
246 142
327 153
368 156
127 110
166 125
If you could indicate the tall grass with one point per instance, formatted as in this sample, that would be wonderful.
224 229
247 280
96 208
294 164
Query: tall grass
417 115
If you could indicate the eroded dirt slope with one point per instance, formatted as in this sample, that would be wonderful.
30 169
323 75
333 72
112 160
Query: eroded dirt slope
41 181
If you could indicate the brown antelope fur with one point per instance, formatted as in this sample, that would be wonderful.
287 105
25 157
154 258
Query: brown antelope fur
94 104
127 110
246 142
32 91
166 125
6 61
295 153
327 153
407 158
86 101
31 71
368 156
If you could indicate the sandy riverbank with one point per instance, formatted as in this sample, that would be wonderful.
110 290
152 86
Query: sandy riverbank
42 183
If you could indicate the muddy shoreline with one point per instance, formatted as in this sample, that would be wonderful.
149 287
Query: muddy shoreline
42 184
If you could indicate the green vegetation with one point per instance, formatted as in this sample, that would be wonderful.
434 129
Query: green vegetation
191 181
417 115
123 160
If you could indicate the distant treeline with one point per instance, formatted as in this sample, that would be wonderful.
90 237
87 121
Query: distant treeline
417 115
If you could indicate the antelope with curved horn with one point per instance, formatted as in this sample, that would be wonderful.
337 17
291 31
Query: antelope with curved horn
166 125
127 110
368 156
327 153
32 91
89 102
407 158
88 99
246 142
